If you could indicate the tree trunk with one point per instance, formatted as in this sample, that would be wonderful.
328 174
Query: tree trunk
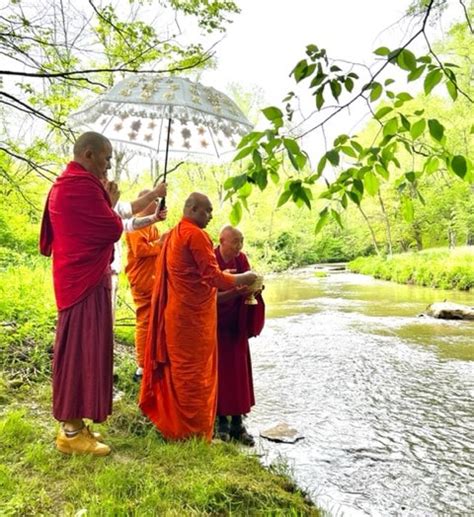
372 233
387 224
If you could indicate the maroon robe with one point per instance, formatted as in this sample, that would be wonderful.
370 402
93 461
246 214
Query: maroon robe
236 322
79 229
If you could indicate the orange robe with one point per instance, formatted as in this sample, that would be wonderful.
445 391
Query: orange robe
143 250
179 387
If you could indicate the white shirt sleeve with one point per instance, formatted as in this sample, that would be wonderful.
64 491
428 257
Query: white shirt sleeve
128 225
124 209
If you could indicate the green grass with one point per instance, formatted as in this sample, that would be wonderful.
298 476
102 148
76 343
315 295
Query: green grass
144 475
438 267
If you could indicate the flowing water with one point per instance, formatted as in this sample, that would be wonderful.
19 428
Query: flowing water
382 396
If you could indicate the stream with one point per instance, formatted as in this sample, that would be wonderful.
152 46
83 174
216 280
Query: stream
382 396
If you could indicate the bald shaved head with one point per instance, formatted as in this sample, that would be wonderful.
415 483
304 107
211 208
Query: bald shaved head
229 230
90 140
198 207
94 152
231 242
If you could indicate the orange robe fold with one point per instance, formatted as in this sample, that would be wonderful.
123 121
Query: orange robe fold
179 387
143 250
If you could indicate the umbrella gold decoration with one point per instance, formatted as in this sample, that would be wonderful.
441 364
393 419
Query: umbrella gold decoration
151 115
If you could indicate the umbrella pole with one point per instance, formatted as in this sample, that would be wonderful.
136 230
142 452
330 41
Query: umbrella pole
163 200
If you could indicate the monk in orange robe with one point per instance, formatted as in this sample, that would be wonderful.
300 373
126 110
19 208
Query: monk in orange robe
179 387
144 246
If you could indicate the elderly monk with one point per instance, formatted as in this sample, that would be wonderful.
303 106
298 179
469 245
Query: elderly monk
235 324
144 246
79 229
179 387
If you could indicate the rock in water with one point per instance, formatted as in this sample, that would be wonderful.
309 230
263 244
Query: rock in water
450 311
282 433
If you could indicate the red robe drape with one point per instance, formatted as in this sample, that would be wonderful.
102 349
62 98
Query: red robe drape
79 229
235 321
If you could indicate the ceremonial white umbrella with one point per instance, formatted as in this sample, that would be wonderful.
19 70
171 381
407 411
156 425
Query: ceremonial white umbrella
172 116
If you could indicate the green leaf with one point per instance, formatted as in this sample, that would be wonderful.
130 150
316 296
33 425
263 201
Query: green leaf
349 84
274 176
391 127
333 157
245 190
415 74
410 176
452 89
404 96
291 145
305 195
335 88
382 51
382 171
341 139
405 122
359 186
243 153
250 138
354 196
272 113
260 179
319 99
337 217
357 146
436 129
406 60
371 183
257 158
431 165
344 201
459 165
299 70
239 181
432 79
321 165
349 151
407 209
417 128
382 112
235 214
229 183
283 198
376 91
323 218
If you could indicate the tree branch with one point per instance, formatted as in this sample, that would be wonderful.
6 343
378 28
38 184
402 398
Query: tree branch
377 73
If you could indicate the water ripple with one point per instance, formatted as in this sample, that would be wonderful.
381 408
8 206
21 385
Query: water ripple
386 409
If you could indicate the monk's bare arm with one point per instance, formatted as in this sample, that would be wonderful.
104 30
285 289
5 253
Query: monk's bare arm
142 202
225 296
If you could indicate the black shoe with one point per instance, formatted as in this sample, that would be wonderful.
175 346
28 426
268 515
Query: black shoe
240 434
223 430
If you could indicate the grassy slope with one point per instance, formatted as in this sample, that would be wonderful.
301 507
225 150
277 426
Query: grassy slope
144 475
439 267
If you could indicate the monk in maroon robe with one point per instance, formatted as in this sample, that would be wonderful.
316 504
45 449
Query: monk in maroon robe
236 322
79 229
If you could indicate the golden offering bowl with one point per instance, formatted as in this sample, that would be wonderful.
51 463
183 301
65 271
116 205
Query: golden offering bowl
255 287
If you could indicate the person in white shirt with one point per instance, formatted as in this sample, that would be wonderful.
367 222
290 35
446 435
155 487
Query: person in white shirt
126 210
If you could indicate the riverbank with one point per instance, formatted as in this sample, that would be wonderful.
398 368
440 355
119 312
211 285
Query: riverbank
438 267
144 475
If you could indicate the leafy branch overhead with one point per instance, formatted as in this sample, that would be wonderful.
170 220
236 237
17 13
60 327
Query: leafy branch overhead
360 168
58 53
